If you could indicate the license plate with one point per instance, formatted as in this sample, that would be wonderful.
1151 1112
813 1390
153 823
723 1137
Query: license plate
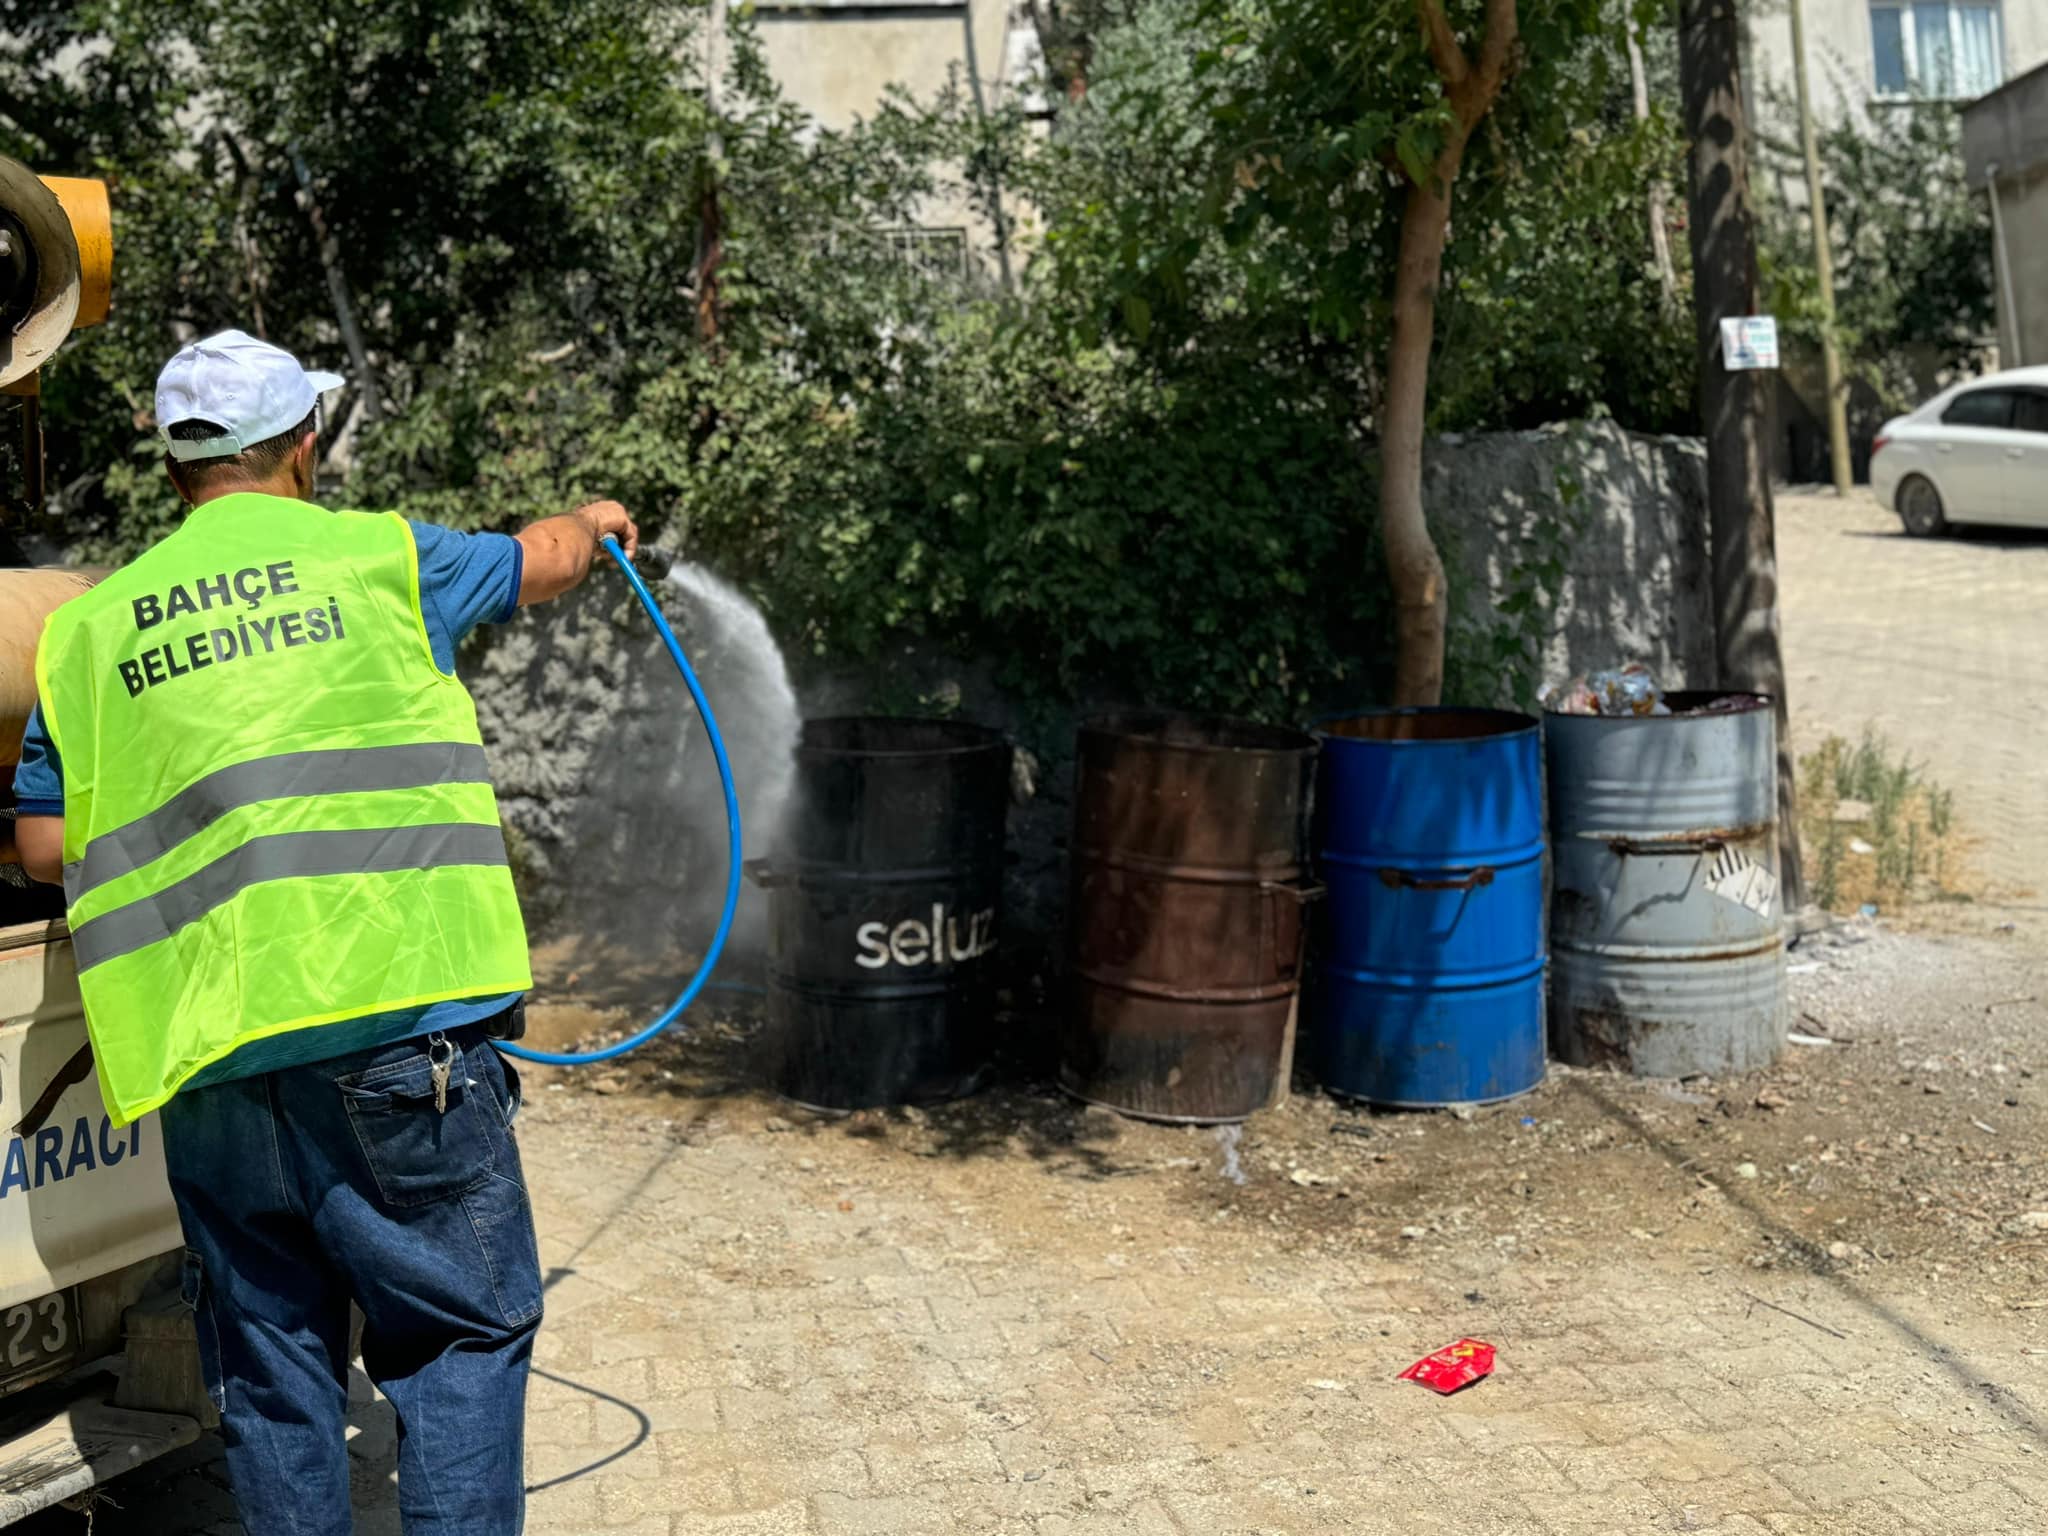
38 1338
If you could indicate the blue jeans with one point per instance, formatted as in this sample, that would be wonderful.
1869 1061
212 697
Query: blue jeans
304 1189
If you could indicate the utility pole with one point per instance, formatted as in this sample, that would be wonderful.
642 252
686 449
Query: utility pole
1733 405
1823 265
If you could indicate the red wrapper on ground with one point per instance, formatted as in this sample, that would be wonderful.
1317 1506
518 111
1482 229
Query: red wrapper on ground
1457 1366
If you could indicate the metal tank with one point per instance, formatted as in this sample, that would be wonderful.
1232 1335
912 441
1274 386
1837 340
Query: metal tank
1189 873
1666 934
1429 986
27 597
885 912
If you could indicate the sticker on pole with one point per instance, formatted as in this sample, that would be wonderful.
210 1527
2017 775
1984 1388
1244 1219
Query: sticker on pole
1749 341
1734 876
1452 1368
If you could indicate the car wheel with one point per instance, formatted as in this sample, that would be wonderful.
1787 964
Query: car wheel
1920 508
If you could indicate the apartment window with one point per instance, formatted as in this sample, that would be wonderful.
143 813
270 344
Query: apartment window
1946 49
934 252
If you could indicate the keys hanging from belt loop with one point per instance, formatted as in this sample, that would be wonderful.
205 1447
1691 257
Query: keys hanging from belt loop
441 1052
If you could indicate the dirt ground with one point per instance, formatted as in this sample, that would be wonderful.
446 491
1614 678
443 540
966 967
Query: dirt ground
1907 1140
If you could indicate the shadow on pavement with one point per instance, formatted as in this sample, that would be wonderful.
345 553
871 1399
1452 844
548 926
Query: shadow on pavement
1975 1380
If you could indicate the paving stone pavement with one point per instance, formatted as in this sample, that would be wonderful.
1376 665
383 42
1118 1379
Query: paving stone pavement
766 1349
1941 644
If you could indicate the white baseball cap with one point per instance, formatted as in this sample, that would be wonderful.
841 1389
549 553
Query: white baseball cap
248 388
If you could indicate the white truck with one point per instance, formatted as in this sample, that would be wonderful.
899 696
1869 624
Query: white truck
99 1364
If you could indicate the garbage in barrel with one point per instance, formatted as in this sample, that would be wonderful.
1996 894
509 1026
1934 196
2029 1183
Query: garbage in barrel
1429 984
1666 932
885 911
1189 875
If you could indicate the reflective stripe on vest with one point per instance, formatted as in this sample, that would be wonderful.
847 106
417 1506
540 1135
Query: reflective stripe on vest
333 772
288 855
277 813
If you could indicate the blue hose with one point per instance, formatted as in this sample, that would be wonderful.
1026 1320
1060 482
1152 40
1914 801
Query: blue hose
732 855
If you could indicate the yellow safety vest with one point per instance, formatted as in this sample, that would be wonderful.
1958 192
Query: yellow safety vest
277 813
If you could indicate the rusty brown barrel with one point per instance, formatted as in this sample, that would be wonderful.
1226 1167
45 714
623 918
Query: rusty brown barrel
1190 870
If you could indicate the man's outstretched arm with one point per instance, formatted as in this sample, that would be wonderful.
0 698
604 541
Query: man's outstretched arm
558 550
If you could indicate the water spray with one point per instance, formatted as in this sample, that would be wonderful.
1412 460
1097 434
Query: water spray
732 855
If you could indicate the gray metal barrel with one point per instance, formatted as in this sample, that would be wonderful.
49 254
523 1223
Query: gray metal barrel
1666 938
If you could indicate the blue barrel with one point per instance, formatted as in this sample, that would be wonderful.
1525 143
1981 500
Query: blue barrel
1430 840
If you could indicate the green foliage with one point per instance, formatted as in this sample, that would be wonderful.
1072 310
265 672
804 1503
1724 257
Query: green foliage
476 161
1144 472
1246 163
1911 244
1554 310
1085 518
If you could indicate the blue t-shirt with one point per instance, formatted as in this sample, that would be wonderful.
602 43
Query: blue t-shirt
466 579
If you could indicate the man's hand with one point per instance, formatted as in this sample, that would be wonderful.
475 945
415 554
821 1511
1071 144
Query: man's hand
607 519
558 550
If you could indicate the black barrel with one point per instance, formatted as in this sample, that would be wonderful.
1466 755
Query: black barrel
886 908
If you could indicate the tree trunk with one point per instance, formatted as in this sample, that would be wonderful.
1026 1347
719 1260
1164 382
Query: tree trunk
245 235
710 216
1660 233
365 380
1414 568
1734 405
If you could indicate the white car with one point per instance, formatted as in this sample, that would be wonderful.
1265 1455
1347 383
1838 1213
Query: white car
1975 453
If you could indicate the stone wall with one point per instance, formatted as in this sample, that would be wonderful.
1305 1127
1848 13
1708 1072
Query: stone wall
613 800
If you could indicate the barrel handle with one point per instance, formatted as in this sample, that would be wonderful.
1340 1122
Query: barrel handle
1470 880
1303 891
1284 967
764 874
1625 847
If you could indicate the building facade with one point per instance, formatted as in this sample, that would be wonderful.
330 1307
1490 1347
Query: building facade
837 59
2005 151
1865 55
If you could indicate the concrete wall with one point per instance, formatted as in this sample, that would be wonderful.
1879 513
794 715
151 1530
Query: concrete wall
2005 141
1636 582
614 805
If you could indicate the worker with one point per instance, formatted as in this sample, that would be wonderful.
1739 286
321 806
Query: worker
263 789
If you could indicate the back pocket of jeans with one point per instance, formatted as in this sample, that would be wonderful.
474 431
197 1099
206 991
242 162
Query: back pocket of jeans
419 1153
